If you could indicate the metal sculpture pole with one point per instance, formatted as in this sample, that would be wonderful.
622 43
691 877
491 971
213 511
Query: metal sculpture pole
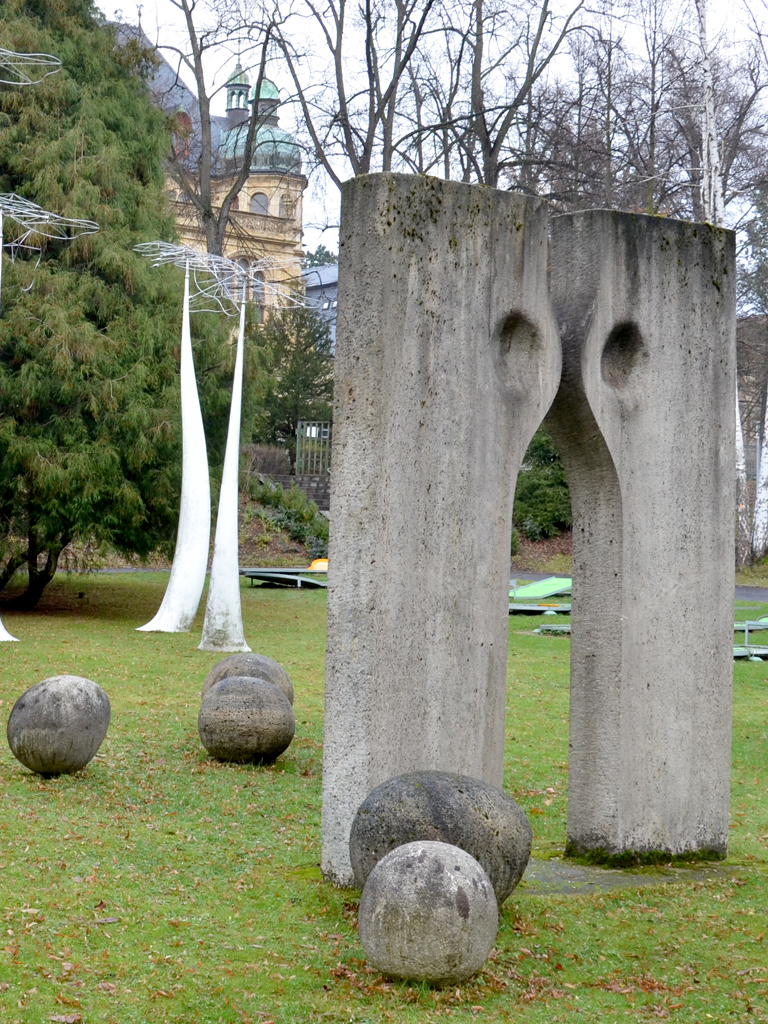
36 222
223 626
190 559
2 229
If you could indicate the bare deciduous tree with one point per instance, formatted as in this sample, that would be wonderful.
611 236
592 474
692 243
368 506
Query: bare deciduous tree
194 162
348 90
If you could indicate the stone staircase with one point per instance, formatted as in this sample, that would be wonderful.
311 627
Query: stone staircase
316 488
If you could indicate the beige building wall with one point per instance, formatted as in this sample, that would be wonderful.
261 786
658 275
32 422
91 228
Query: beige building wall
266 223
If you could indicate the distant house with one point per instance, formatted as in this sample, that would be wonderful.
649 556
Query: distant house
752 359
321 287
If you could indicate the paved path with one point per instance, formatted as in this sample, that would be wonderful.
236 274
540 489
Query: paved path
545 877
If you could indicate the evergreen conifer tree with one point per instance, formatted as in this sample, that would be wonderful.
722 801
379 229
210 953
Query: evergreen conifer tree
89 332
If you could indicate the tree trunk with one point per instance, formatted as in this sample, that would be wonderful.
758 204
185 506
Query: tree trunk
760 517
13 563
742 494
38 579
712 179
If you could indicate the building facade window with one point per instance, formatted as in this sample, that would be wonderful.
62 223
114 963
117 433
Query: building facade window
260 203
257 287
181 134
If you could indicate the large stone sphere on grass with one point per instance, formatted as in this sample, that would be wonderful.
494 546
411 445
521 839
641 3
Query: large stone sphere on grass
428 912
245 719
57 726
257 665
446 808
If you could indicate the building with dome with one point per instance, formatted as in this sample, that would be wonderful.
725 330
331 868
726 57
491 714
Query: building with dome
266 218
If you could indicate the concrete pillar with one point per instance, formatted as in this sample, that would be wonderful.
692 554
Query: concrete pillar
446 360
645 426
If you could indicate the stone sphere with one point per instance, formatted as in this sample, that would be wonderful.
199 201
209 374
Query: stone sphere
243 718
57 726
446 808
259 666
428 912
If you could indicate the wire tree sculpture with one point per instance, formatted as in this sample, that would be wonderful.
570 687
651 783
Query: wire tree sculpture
22 69
37 224
210 283
26 68
216 281
223 624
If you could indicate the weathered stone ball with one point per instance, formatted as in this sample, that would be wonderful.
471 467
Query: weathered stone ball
243 718
446 808
257 665
57 726
428 912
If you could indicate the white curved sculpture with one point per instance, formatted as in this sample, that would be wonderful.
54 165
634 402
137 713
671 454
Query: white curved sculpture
5 635
190 559
223 626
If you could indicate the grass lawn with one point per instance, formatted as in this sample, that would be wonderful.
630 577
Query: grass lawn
160 886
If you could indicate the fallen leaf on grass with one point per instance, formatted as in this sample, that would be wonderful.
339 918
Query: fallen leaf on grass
615 986
4 985
107 986
66 1018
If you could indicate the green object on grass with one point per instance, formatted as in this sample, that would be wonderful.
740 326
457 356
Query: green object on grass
540 589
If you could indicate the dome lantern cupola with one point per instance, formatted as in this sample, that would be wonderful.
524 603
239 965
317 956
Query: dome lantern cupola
275 151
238 88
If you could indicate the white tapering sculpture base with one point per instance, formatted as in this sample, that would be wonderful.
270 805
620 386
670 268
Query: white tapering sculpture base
223 626
5 635
190 559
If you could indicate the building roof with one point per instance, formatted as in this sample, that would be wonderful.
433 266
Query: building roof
268 91
238 76
321 277
274 149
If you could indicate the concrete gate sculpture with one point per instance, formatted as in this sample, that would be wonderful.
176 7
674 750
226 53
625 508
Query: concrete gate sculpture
452 346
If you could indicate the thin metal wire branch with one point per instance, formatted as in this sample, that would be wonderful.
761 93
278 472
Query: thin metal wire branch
38 221
218 284
26 68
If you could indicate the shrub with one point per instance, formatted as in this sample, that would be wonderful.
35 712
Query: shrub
515 546
293 512
265 458
542 500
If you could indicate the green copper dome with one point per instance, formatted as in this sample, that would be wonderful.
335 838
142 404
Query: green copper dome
238 76
268 91
274 149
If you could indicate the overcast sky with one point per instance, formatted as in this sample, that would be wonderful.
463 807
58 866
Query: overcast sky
162 22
